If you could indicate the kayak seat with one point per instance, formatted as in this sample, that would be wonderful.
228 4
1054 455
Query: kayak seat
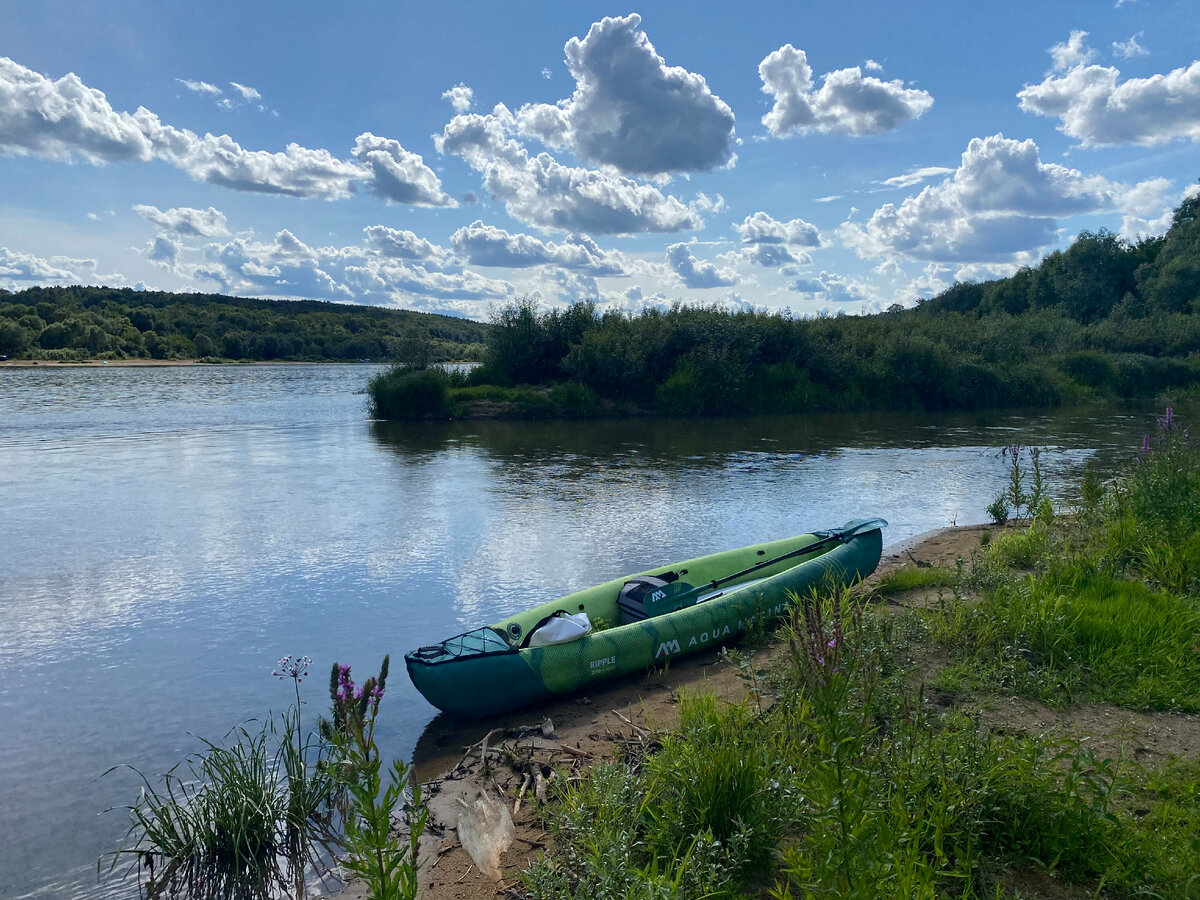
647 596
631 602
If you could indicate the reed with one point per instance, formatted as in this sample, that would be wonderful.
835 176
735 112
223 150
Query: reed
241 818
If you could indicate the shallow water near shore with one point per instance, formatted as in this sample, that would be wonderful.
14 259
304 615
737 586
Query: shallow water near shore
167 534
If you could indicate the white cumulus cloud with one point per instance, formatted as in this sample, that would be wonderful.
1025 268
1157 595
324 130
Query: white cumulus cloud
773 255
399 243
1094 106
391 267
847 102
164 250
697 273
631 110
1075 52
830 287
1002 200
399 176
1130 48
460 97
20 269
488 245
761 228
66 119
185 220
540 191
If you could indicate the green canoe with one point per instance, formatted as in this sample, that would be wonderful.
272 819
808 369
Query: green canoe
688 606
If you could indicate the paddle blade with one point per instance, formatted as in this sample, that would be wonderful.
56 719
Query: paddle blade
859 526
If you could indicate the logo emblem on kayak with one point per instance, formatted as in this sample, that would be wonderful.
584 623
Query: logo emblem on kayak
666 648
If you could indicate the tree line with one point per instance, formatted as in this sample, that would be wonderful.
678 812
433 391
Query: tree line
71 323
1105 316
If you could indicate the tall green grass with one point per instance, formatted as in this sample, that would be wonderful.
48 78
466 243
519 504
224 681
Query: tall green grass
254 816
241 818
696 819
911 578
854 785
1101 608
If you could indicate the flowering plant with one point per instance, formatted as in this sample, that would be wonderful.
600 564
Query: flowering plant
389 868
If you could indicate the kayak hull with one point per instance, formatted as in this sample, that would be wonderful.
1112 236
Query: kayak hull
486 672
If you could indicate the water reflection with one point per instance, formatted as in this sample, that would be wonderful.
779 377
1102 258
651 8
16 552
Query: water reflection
701 442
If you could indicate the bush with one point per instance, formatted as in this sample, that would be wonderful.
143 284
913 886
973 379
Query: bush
1090 369
705 381
403 393
574 400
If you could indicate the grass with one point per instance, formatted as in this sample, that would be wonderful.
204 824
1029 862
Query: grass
912 578
237 819
253 817
858 782
695 820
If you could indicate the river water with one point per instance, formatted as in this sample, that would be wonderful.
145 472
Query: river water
167 534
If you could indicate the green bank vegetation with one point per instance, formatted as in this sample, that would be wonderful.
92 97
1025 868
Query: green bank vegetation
872 773
1104 317
79 323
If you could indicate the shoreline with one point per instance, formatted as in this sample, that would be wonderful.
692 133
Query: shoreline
477 774
585 729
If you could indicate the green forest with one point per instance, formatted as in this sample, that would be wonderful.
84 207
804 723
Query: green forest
1103 317
77 323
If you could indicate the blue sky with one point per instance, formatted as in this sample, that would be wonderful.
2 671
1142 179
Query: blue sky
447 157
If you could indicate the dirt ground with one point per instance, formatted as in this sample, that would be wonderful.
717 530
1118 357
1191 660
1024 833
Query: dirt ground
496 770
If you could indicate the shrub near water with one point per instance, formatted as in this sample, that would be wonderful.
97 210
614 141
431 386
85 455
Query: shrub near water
410 393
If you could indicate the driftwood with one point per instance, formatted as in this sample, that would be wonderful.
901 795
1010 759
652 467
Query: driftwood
921 564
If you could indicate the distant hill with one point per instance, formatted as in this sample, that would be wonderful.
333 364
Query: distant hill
121 323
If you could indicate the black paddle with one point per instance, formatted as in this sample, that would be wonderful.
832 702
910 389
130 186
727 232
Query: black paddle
664 599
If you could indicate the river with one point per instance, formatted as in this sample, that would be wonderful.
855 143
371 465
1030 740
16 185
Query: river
167 534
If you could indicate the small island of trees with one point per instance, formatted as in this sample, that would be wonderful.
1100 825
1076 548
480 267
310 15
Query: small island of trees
1105 317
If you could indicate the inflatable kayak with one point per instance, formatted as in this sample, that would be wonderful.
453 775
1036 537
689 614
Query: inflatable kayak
637 621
